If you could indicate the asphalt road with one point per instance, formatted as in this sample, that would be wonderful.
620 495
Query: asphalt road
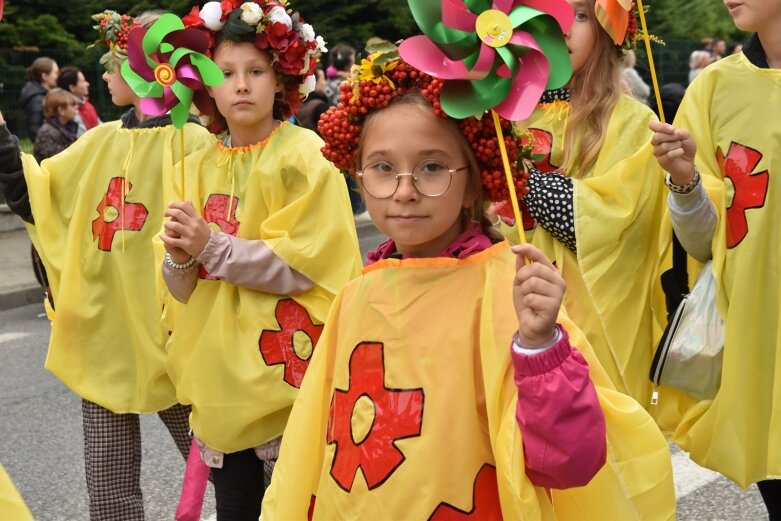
41 443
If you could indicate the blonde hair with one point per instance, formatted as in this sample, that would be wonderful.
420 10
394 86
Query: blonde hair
476 211
54 100
596 89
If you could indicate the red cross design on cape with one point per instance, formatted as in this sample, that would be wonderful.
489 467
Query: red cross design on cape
113 215
485 500
398 414
750 189
215 211
278 347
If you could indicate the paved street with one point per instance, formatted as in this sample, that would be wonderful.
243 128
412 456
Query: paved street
40 443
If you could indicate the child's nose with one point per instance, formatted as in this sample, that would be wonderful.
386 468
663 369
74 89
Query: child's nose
406 190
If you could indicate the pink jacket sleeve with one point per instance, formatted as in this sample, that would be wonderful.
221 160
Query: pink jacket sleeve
558 412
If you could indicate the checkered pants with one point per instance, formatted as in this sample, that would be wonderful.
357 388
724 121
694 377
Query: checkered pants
112 458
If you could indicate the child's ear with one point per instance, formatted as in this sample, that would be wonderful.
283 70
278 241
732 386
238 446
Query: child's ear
210 92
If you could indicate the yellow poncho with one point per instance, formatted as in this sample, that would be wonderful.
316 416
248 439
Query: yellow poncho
238 355
107 342
12 505
613 292
733 110
419 351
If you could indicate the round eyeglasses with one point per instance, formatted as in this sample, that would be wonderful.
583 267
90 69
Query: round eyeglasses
430 178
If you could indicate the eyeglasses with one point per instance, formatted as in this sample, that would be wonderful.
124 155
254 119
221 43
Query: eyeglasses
430 178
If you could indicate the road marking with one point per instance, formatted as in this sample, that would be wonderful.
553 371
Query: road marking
689 476
9 337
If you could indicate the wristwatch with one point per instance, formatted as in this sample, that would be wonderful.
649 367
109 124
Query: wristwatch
685 189
178 266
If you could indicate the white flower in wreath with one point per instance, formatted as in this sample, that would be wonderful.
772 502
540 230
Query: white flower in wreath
321 44
278 14
307 32
308 85
211 14
251 13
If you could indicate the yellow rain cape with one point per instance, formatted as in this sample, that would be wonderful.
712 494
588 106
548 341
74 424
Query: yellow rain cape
238 355
613 290
97 206
409 408
739 150
12 505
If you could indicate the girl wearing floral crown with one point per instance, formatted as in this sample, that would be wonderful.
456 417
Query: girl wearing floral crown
446 381
92 212
261 243
596 200
731 144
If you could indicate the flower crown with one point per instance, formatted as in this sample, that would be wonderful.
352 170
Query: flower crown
113 29
273 27
382 77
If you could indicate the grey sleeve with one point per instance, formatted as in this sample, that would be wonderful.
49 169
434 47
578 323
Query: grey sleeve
693 218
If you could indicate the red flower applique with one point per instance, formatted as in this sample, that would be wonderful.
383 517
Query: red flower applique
750 189
215 211
485 500
278 347
398 414
113 215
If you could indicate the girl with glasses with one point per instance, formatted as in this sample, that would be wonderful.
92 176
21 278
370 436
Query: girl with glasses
446 380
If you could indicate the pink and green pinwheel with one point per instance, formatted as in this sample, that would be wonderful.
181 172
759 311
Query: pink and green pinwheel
493 54
168 69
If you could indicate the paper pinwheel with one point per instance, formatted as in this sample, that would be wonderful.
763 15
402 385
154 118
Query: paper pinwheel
499 54
168 69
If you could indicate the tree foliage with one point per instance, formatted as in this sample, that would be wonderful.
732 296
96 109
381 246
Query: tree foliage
673 19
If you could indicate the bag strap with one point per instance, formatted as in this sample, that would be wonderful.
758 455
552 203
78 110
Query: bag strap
675 281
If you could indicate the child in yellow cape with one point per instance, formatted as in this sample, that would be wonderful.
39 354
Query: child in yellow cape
446 382
595 203
92 212
727 126
258 249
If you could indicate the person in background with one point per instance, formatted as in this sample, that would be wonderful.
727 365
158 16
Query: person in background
41 78
59 125
341 58
72 80
719 48
316 103
637 87
697 62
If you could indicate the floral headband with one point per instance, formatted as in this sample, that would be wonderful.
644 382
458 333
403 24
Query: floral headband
113 29
273 27
375 83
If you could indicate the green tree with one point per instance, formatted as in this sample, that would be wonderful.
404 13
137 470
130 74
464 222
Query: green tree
355 22
673 19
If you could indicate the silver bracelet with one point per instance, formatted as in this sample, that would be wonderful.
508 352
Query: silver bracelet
169 261
685 189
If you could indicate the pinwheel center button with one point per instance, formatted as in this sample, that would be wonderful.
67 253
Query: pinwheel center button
165 75
494 28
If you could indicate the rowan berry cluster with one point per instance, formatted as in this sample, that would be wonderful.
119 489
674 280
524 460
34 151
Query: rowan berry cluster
341 126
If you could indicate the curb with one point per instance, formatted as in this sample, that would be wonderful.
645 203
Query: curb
21 297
